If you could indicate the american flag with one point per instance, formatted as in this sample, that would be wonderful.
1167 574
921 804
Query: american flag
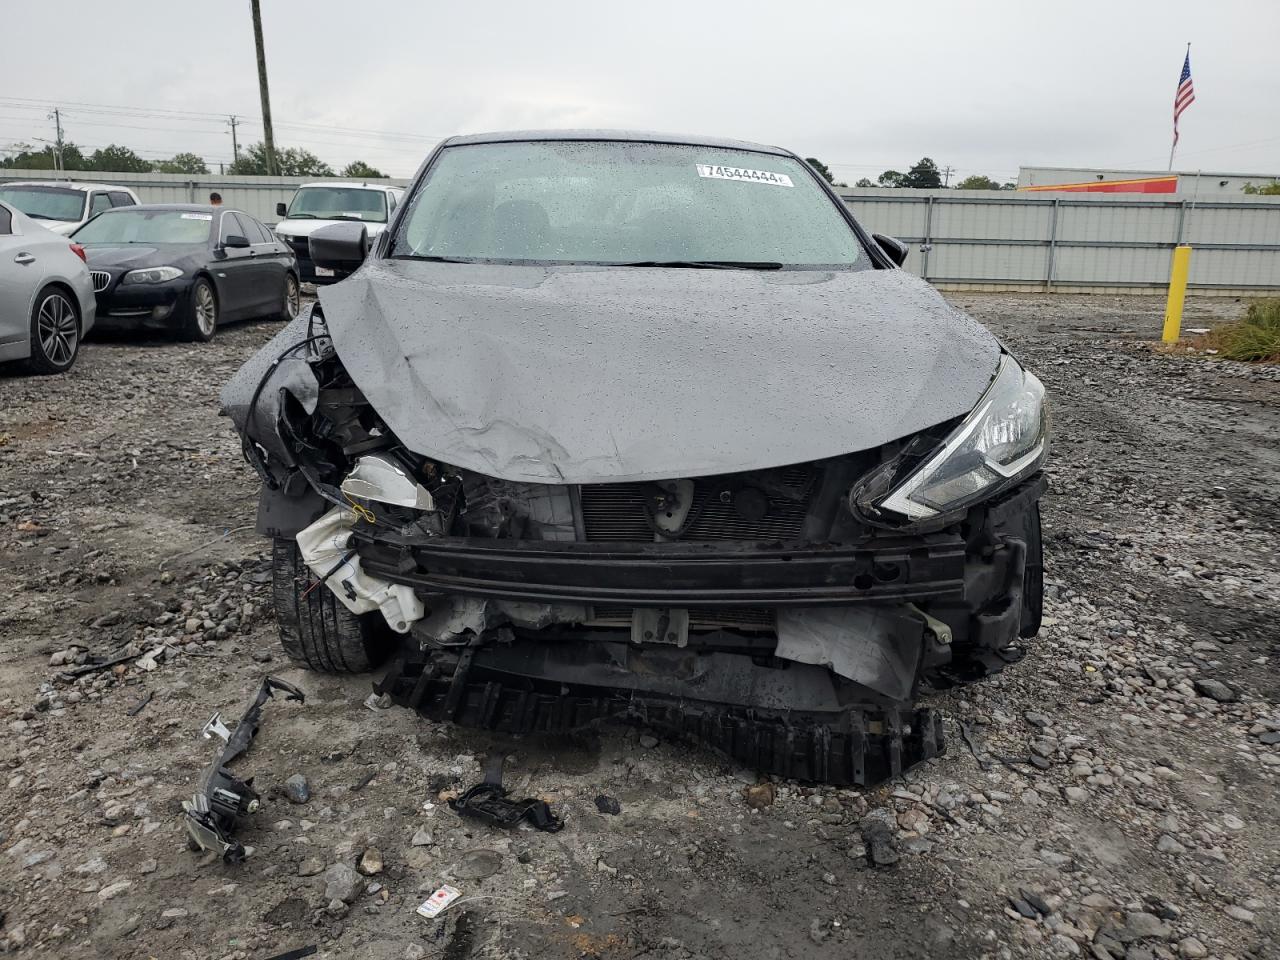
1185 96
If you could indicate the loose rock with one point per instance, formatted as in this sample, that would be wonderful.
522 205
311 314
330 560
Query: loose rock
296 789
341 882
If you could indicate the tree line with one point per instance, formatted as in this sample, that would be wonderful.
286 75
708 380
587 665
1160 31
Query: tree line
252 161
924 175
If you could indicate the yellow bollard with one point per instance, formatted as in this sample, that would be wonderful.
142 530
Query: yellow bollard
1177 293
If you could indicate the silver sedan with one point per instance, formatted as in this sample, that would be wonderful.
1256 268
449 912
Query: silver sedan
46 295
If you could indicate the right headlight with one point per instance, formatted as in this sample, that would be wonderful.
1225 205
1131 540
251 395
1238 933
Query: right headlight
1004 439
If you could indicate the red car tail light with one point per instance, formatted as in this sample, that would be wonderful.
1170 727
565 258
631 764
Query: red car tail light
79 252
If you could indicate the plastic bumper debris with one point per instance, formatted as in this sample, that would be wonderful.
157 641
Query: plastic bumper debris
210 816
488 801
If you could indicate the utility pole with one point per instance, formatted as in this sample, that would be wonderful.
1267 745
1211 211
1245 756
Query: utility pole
56 117
235 145
267 138
946 175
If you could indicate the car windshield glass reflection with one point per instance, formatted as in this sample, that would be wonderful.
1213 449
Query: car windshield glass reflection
613 202
147 226
339 203
45 203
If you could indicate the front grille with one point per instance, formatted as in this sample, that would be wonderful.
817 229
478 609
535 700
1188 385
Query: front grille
619 511
101 280
752 619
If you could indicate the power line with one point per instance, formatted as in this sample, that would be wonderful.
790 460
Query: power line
138 112
146 111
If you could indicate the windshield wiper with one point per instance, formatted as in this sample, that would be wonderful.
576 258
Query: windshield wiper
40 216
706 264
300 216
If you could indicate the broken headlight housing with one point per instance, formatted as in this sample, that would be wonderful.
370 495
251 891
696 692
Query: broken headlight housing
380 478
1003 440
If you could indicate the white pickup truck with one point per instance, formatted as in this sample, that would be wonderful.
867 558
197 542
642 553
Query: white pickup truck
317 204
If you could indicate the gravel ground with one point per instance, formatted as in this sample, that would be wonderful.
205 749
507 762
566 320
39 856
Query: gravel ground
1115 796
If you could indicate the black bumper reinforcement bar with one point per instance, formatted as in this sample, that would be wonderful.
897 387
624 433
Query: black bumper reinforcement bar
672 574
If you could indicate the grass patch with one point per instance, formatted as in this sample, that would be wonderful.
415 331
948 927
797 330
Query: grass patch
1255 337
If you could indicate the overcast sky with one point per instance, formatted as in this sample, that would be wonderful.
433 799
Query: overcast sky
984 87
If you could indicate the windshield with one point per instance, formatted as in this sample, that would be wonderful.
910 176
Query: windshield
615 202
46 203
339 203
146 226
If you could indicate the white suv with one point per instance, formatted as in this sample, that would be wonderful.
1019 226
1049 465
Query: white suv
62 205
317 204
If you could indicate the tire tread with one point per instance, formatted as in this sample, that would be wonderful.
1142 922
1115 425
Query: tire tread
317 631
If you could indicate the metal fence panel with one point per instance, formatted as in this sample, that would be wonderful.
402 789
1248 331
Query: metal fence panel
1255 269
991 221
1123 225
1112 266
993 239
1232 225
988 262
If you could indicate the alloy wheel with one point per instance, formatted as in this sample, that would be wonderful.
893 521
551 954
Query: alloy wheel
57 329
206 310
292 297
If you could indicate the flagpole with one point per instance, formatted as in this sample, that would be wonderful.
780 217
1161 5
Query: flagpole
1174 146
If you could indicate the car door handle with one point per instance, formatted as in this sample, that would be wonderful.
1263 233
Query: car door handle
253 253
24 258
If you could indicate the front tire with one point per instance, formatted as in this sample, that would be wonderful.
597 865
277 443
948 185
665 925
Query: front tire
201 322
316 630
55 332
292 298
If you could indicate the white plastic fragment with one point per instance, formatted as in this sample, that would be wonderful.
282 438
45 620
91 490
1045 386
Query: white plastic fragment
324 547
434 905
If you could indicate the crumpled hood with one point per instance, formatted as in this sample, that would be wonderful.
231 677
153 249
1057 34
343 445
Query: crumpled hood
596 374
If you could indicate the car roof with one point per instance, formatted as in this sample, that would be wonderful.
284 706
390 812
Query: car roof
632 136
182 208
65 184
362 185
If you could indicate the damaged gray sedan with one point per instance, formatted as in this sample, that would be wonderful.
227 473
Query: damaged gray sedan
635 426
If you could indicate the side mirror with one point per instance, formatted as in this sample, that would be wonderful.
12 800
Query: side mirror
340 247
233 241
282 209
895 250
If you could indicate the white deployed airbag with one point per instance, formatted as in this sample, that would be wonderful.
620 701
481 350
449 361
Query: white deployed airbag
324 546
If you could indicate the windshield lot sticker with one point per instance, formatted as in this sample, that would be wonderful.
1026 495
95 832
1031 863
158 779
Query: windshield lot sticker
197 216
717 172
